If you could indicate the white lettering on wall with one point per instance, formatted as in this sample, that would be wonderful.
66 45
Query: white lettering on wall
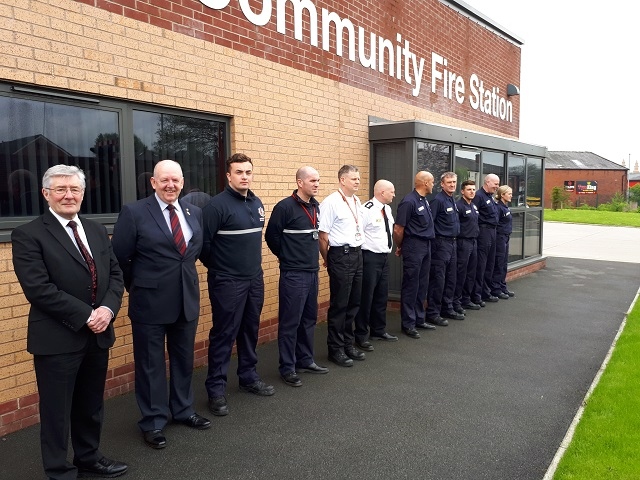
396 59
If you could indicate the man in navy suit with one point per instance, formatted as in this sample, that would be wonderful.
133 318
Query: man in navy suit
157 241
71 278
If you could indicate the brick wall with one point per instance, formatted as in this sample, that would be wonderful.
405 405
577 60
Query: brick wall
610 182
285 114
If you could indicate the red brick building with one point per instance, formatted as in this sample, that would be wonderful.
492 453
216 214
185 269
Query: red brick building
587 178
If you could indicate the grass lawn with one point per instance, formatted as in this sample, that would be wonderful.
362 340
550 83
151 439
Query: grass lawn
594 217
606 444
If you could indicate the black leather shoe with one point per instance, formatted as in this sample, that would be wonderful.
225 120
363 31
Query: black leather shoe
313 368
510 293
385 336
502 296
291 379
155 439
482 304
103 468
460 310
218 406
425 326
441 322
354 354
197 421
472 306
341 359
259 388
366 346
411 333
492 299
453 315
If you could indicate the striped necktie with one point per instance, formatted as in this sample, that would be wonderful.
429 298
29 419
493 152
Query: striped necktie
87 258
176 230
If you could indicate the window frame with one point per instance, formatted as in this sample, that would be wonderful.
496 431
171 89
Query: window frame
124 109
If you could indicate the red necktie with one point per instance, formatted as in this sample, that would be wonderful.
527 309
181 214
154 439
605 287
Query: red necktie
176 230
87 258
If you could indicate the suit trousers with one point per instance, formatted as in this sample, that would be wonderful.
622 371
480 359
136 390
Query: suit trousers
442 277
466 271
345 290
236 304
372 316
416 262
151 374
486 261
71 389
297 317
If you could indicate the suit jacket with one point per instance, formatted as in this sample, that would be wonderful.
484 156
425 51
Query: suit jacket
161 283
56 281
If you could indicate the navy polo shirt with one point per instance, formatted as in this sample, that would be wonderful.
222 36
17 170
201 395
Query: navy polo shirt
505 221
445 215
487 208
414 214
468 216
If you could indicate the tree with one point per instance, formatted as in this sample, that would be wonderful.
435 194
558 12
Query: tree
558 197
634 193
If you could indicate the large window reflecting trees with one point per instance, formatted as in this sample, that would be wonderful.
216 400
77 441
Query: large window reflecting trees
436 159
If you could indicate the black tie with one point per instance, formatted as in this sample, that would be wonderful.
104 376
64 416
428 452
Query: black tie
386 226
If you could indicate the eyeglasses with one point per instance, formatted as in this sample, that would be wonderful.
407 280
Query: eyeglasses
75 191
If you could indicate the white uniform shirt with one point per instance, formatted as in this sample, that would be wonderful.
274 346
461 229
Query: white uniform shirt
375 232
338 219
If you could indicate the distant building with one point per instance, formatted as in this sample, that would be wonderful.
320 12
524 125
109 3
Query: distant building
587 177
634 176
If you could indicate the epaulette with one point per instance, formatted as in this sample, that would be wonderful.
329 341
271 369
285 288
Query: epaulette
369 204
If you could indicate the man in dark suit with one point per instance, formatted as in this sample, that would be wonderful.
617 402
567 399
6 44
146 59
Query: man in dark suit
69 274
157 241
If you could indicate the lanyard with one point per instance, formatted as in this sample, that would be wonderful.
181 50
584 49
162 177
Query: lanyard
314 219
355 205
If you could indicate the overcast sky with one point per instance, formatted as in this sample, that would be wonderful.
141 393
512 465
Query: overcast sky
580 73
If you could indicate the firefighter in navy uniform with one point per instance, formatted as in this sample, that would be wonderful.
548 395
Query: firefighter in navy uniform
292 236
442 276
412 234
232 252
467 249
377 224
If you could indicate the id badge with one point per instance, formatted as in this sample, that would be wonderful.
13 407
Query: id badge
358 236
315 234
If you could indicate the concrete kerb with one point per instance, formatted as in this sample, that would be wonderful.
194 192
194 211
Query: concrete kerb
566 441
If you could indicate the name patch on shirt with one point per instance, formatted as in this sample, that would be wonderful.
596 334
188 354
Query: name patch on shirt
420 208
488 201
450 209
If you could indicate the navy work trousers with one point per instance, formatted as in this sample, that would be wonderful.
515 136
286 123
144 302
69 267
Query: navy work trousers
297 317
442 277
467 257
416 261
486 260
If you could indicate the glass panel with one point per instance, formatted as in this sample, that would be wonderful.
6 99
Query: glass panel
534 182
516 180
436 159
532 233
197 144
515 242
467 166
493 162
37 135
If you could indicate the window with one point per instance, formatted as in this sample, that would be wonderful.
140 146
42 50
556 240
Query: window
436 159
116 143
38 134
534 182
467 167
493 162
516 180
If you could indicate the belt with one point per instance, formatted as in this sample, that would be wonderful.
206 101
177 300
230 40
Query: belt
448 239
467 238
486 225
346 248
375 253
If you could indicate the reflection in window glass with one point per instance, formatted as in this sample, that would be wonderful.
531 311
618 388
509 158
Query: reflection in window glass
493 162
467 167
196 144
515 241
36 135
516 180
532 233
435 159
534 182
